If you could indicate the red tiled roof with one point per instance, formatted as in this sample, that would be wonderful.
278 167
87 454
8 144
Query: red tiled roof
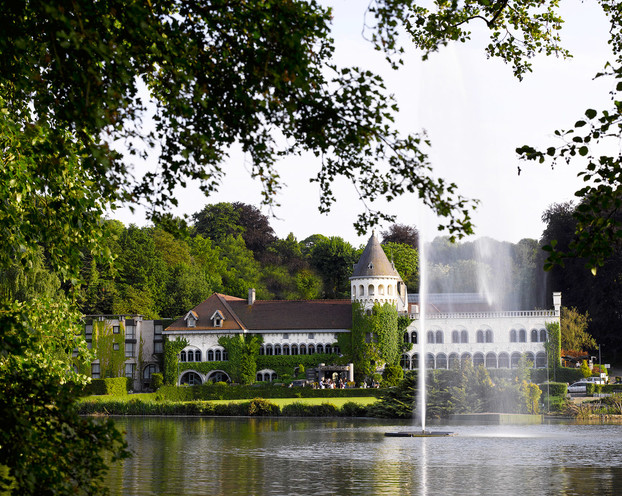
269 315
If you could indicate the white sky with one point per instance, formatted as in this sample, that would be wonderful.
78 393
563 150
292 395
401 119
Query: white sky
476 114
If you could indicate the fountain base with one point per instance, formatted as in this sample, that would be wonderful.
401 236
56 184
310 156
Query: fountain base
419 434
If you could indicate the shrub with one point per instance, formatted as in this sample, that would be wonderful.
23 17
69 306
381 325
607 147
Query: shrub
115 386
351 409
554 388
260 407
157 381
392 375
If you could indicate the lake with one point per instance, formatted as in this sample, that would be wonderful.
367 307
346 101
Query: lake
230 456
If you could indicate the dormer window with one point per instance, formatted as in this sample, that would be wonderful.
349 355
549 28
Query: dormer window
217 319
191 318
370 265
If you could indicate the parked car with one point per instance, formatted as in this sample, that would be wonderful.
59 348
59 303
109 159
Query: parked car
596 380
578 387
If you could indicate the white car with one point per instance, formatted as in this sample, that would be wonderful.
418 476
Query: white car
578 387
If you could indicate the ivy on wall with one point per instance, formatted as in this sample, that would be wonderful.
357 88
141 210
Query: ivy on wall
375 339
111 361
285 364
553 344
243 352
205 367
171 361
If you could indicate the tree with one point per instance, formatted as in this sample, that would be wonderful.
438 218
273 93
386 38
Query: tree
217 221
406 260
333 259
574 333
401 233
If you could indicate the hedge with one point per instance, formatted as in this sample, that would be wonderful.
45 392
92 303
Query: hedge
554 388
257 407
221 391
115 386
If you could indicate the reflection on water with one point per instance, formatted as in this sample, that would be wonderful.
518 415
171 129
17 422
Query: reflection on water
217 456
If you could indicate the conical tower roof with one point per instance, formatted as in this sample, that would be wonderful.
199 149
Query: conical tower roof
374 262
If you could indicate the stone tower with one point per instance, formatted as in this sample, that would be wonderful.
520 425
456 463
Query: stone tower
375 280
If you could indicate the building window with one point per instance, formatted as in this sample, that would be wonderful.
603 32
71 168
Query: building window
534 335
480 336
303 349
286 336
129 370
522 336
439 337
197 355
158 347
285 349
95 371
543 335
269 349
129 350
311 335
513 336
130 332
277 349
489 337
157 329
88 331
190 354
218 355
320 348
149 370
115 329
413 337
455 337
430 337
294 349
182 356
464 337
328 349
210 355
115 346
311 349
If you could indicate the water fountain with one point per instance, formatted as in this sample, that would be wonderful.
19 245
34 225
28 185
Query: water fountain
420 411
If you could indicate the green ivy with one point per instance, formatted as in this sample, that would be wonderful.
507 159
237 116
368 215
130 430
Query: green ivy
553 345
243 352
375 339
171 350
111 361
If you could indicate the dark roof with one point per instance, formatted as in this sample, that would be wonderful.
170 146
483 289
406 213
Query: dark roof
374 262
270 315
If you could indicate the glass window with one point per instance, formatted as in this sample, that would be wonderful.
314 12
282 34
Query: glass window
157 347
95 371
464 337
182 356
218 355
130 332
88 331
129 350
157 329
129 370
311 335
115 329
286 336
197 356
149 370
115 346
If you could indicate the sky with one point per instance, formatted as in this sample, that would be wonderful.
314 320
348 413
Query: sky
474 111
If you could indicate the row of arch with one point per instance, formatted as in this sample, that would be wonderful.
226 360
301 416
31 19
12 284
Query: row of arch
359 291
266 375
194 355
193 378
297 349
481 336
489 360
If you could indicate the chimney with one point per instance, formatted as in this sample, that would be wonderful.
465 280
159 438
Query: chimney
557 303
251 296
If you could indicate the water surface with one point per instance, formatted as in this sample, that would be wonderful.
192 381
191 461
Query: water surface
221 456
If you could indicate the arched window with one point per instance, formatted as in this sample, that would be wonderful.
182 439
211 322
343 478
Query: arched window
294 349
328 348
361 290
262 350
182 356
190 378
266 377
479 336
430 337
453 361
320 348
413 337
390 290
303 349
542 335
285 349
197 355
354 290
269 349
441 361
513 338
225 355
540 360
414 362
210 355
504 360
218 355
522 336
190 356
336 349
149 370
464 337
488 336
515 360
273 376
455 337
405 362
370 290
259 376
429 361
478 359
406 337
491 360
534 335
439 337
466 357
311 349
530 358
381 290
277 349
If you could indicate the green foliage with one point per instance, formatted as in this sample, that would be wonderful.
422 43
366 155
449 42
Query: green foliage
171 359
305 410
531 397
243 351
115 386
285 364
111 361
333 259
553 345
375 339
392 375
554 388
157 380
574 335
585 369
406 260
